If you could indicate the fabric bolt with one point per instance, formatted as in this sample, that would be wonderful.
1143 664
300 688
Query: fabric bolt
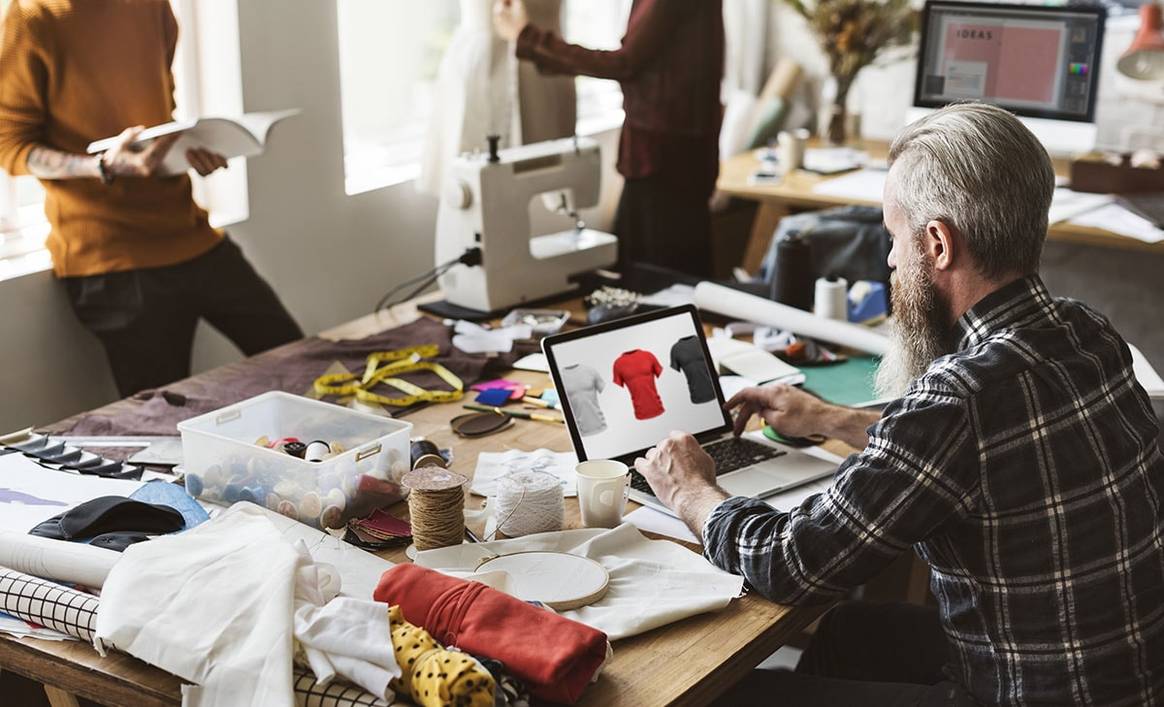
636 371
291 368
433 676
145 318
1024 469
687 356
227 602
582 385
652 582
556 656
55 92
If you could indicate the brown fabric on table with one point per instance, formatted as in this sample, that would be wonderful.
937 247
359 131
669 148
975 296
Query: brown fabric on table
291 368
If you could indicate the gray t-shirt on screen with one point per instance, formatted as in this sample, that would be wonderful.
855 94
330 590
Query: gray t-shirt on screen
583 384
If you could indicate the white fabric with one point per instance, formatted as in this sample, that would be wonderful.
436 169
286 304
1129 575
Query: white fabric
220 605
479 87
652 582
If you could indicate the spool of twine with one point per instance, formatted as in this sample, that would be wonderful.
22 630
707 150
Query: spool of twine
436 506
528 502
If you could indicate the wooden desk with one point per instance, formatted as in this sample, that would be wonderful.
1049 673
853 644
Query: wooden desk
686 663
796 193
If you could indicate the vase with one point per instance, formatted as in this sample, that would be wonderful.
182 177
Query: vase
834 124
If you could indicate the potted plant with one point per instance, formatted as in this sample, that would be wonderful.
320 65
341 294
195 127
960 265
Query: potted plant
852 33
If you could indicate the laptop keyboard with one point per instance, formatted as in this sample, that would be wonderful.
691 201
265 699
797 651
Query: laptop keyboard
729 455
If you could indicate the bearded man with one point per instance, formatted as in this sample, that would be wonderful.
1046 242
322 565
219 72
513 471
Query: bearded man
1019 460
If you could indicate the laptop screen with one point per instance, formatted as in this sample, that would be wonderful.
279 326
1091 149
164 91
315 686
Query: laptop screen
628 384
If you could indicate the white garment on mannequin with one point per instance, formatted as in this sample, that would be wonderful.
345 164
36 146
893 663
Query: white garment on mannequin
481 90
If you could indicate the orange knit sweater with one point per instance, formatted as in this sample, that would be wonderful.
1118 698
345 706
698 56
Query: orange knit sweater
74 71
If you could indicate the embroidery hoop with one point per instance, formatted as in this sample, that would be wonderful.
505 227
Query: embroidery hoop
559 580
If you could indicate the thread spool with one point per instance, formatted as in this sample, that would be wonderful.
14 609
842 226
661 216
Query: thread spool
436 507
528 502
793 281
831 299
316 451
424 453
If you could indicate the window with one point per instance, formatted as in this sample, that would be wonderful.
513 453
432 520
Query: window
23 227
389 55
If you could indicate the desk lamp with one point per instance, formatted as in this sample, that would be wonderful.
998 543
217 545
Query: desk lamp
1144 59
1141 70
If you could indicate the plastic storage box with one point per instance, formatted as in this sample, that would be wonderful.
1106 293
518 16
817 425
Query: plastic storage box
224 464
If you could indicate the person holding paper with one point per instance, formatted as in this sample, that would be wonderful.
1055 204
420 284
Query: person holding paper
670 66
1019 459
139 260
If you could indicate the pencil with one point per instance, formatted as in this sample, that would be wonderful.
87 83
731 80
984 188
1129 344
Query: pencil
536 417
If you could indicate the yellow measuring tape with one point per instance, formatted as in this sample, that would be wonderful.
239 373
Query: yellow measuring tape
395 363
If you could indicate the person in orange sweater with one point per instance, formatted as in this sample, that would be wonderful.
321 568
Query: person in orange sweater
138 258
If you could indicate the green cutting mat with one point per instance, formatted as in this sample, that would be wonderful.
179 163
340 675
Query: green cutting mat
848 383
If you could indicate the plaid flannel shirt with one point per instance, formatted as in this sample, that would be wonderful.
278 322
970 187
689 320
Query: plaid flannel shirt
1025 470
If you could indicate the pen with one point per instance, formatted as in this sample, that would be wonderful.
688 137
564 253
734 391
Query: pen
536 417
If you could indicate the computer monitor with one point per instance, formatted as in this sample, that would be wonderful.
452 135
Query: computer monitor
1039 62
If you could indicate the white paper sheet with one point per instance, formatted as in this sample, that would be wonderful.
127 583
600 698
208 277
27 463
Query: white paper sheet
1066 204
536 362
491 466
654 521
31 494
1117 219
862 185
1146 375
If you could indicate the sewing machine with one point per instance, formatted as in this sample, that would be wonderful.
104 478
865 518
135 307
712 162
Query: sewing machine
486 203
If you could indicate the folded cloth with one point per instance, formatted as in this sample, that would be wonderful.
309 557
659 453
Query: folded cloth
73 613
652 582
108 514
222 605
433 676
555 656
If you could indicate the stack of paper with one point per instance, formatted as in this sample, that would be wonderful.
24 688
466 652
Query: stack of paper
751 362
1117 219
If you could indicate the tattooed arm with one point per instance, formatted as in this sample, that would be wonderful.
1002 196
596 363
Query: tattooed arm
121 160
47 163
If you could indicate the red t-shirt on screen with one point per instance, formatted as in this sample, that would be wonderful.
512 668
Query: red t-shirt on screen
636 371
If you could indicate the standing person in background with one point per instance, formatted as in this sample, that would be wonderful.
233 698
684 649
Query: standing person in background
670 66
139 259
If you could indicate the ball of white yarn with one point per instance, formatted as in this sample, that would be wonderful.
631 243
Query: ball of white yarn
528 502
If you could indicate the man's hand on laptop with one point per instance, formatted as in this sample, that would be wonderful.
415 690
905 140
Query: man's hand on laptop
794 413
682 475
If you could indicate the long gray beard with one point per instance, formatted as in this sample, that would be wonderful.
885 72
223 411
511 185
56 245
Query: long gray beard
920 336
908 357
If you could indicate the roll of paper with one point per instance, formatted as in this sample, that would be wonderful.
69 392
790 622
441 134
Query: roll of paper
832 299
740 305
56 559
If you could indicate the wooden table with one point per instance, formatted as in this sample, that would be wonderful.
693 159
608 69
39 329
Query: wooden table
795 192
686 663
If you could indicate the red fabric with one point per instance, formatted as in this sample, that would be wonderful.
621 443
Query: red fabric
636 371
555 656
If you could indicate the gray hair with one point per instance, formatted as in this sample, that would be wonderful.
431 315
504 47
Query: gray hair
979 170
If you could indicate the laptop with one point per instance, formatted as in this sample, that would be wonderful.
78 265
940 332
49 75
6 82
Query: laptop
627 384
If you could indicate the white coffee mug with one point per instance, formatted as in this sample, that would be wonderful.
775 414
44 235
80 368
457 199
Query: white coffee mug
603 486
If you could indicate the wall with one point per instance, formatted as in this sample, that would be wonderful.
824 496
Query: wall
329 255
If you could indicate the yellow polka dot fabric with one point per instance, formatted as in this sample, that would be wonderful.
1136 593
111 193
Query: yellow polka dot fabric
433 676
